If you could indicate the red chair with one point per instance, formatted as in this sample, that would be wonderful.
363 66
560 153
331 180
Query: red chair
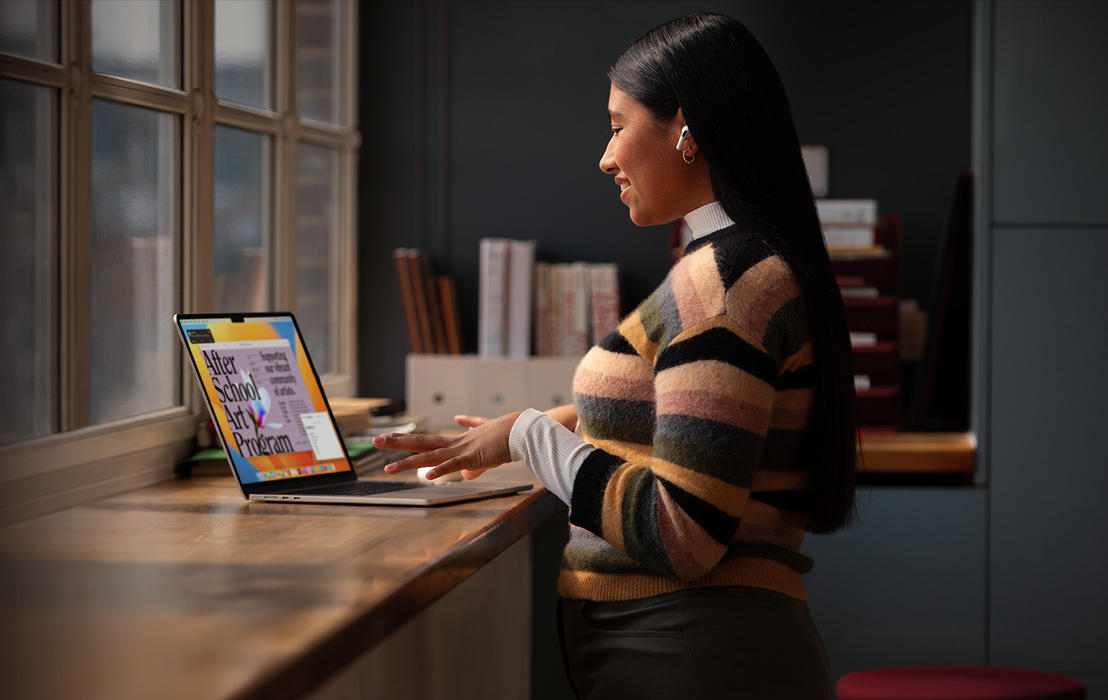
957 683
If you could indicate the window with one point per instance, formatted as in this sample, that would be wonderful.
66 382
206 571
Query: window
157 157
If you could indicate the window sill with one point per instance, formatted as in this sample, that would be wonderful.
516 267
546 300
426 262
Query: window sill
64 470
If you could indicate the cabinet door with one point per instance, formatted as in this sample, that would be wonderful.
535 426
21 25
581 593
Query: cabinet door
1049 459
1050 158
550 381
499 386
440 387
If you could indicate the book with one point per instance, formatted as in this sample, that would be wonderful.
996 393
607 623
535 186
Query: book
604 299
354 414
575 310
419 294
543 311
848 236
521 262
434 309
448 302
848 223
403 278
859 292
492 307
557 304
862 339
847 211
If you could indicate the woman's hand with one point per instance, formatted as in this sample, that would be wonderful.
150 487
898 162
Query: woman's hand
482 447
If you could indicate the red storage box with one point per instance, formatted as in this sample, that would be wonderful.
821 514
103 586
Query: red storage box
880 406
880 362
878 315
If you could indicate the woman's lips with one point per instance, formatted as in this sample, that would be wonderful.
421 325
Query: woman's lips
623 190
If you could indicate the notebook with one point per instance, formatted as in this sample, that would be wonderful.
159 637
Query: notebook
280 436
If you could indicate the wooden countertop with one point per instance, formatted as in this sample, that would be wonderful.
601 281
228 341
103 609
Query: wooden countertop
186 590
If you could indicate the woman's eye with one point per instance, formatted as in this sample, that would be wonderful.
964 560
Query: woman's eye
615 130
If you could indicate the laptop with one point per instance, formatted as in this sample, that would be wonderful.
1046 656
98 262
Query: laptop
280 436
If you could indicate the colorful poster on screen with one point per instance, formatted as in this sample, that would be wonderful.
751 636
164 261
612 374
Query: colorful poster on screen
262 396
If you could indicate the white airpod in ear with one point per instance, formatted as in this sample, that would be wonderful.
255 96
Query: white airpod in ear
684 135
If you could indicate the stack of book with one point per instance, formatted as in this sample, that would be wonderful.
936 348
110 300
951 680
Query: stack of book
430 304
538 308
865 257
576 305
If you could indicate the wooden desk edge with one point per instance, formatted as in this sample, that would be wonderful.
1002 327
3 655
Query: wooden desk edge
918 453
299 674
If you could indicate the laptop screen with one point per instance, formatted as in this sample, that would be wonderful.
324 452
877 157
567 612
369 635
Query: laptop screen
264 396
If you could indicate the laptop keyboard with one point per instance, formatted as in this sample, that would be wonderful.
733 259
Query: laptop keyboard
363 488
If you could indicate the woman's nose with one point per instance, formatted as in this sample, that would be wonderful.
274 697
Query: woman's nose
607 161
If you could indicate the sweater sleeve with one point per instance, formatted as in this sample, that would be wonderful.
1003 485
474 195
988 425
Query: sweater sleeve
550 450
678 508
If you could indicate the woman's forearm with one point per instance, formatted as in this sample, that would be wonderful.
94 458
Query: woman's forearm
566 415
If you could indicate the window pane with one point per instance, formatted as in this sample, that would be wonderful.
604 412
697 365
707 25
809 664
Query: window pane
29 28
244 52
137 40
320 60
318 275
134 261
242 206
28 267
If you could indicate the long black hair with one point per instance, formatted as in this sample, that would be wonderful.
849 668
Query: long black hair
732 99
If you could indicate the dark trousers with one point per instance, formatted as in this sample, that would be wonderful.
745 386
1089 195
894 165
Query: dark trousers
723 642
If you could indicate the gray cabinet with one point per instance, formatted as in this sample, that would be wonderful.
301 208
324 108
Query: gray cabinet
1046 401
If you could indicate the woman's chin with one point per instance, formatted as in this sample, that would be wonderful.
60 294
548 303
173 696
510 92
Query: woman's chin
641 218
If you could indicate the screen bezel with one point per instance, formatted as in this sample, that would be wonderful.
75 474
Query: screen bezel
279 485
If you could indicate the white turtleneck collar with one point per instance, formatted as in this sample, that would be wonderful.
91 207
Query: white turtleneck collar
707 219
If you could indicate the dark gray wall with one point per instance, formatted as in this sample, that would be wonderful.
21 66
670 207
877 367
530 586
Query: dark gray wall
488 119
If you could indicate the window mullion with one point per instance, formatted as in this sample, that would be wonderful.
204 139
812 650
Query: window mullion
75 227
284 209
347 339
346 295
198 250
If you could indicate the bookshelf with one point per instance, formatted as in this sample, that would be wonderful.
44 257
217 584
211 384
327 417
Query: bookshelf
869 279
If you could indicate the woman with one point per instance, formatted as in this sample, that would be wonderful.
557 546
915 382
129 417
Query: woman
715 425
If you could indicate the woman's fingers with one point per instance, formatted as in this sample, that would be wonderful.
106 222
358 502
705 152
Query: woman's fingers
450 466
424 459
470 421
411 442
470 474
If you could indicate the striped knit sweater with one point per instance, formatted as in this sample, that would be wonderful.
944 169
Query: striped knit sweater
698 406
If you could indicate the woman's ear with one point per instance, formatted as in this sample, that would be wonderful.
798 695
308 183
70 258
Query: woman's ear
685 142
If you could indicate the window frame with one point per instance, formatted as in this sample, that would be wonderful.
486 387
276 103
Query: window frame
81 462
